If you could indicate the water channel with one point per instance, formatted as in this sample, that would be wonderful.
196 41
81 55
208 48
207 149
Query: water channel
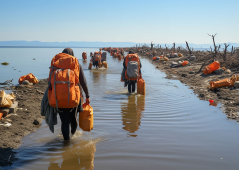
168 129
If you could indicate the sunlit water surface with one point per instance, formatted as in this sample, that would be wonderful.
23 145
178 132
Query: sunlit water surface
168 129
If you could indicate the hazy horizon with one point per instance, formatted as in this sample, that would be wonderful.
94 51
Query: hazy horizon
136 21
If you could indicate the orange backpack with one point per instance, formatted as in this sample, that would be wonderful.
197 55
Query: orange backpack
64 73
128 58
84 55
30 77
96 56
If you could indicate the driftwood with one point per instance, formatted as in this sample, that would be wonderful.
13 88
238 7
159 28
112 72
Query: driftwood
40 92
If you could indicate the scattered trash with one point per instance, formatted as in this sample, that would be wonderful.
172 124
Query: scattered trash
1 115
35 122
218 71
192 57
236 84
176 64
212 67
5 63
26 82
184 63
30 77
173 55
211 101
224 68
7 124
221 83
228 71
180 55
6 100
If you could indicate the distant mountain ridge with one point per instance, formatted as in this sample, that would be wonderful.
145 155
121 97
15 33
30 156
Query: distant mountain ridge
98 44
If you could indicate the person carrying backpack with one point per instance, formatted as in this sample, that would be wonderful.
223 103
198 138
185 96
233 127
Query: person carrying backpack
96 59
131 71
65 92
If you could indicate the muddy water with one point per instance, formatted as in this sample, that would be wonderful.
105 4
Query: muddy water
168 129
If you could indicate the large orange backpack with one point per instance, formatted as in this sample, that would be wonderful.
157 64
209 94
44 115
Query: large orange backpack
97 56
64 90
132 57
84 55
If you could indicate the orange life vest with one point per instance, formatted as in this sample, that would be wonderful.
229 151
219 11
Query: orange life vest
128 58
64 91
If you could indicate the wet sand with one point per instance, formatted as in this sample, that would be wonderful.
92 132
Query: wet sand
26 120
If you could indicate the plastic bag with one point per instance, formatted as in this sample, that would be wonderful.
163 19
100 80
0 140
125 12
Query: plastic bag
30 77
184 63
6 100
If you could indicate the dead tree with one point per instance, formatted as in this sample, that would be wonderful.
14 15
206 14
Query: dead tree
190 52
152 45
225 52
166 48
232 51
215 47
174 47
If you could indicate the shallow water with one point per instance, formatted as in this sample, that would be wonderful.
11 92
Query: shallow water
168 129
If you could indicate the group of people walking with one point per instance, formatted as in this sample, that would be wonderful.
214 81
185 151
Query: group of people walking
67 82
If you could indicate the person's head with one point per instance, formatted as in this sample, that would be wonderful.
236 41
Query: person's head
131 52
68 51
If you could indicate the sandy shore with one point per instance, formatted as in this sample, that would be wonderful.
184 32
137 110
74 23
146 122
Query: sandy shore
26 120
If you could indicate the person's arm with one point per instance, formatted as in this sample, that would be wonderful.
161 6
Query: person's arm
124 64
83 83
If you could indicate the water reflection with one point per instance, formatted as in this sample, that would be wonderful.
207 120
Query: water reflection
132 113
84 62
95 75
74 156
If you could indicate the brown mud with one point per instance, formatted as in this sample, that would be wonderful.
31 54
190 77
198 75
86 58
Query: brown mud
190 76
27 119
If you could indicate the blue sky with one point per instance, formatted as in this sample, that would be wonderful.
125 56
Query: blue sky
140 21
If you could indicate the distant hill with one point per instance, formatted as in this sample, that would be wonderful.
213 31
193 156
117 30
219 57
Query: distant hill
65 44
97 44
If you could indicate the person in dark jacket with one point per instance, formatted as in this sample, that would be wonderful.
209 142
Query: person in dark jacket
68 115
130 83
